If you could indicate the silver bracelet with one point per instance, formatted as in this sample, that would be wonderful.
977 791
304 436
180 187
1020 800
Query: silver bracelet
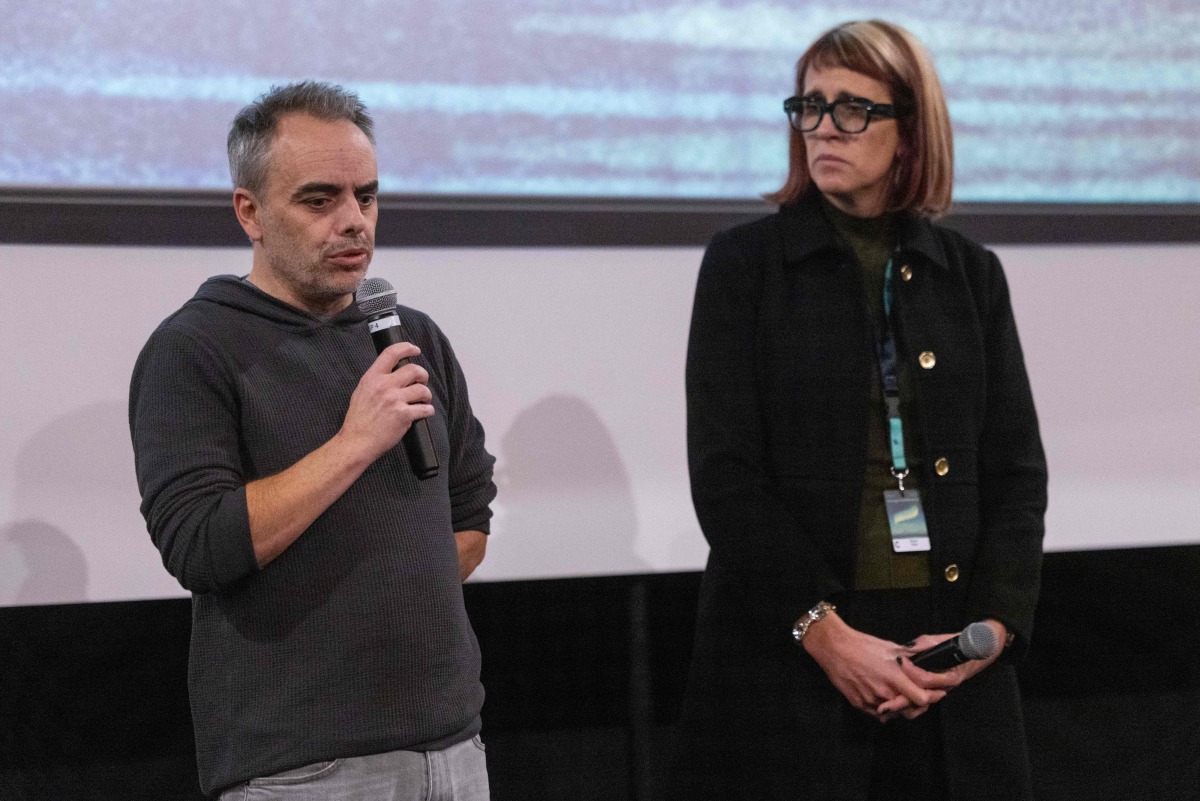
808 618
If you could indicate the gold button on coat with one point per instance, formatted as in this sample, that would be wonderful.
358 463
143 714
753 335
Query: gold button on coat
906 273
927 359
942 466
951 572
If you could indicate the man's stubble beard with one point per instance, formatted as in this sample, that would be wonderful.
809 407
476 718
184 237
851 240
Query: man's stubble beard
305 276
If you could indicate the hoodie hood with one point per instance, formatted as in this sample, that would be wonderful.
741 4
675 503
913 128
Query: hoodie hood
237 293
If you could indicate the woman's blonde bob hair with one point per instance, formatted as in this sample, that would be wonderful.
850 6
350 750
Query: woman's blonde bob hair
923 175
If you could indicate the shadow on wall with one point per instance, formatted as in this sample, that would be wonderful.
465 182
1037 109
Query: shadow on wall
74 485
55 567
565 506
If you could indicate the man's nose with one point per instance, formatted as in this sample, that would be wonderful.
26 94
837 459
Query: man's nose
352 220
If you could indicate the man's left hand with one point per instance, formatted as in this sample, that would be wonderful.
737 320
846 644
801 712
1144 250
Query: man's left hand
472 545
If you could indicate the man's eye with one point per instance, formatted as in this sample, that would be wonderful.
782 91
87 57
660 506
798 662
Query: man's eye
366 200
317 202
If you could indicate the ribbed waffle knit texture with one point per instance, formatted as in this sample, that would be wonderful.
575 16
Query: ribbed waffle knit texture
355 640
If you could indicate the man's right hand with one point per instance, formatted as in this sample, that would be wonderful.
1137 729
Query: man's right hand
385 404
383 407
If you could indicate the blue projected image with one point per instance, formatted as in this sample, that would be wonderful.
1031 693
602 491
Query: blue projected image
1098 102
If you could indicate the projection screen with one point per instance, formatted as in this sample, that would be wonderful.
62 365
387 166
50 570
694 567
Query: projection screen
1094 101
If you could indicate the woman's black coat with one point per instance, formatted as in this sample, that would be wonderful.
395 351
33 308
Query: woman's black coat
778 392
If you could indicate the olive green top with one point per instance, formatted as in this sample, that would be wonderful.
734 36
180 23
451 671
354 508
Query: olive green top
877 566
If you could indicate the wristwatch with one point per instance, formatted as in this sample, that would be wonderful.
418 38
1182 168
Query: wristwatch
808 618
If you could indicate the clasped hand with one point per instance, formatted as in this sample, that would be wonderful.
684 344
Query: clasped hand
877 676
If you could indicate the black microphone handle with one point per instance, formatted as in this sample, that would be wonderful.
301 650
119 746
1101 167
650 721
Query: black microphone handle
940 657
418 442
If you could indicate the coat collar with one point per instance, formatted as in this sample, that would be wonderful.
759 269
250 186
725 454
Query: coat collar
807 233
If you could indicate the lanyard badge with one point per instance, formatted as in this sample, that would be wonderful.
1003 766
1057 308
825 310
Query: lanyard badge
905 514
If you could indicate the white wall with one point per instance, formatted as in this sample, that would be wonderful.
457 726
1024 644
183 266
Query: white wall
575 362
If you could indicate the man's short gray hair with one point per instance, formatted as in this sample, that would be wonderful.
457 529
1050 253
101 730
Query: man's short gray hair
253 128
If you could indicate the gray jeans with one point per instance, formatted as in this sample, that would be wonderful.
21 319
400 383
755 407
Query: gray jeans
457 773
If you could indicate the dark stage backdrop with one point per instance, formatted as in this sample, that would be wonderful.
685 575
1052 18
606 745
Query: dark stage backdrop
585 678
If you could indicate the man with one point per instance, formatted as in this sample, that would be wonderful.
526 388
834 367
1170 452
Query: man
331 654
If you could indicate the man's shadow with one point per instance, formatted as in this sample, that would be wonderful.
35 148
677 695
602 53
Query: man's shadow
556 717
565 500
73 484
55 567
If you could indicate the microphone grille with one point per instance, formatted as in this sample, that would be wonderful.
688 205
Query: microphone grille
375 295
978 641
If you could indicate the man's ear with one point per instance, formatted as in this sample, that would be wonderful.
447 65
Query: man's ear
247 208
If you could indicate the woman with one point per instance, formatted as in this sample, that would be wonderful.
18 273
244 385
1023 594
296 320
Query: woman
844 348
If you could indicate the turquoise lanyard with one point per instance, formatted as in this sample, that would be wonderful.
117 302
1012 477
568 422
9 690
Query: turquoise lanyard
889 373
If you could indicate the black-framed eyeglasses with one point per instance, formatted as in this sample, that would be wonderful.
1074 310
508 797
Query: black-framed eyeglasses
850 115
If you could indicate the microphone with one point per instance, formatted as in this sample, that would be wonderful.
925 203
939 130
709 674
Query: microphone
977 641
377 300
